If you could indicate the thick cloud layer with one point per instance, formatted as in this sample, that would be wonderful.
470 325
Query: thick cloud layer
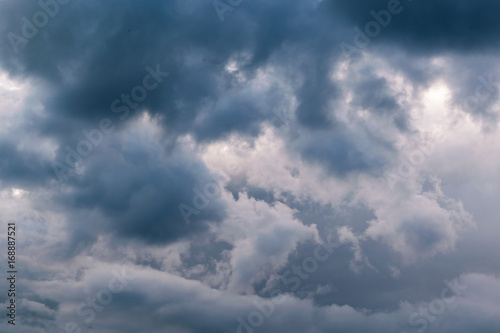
251 166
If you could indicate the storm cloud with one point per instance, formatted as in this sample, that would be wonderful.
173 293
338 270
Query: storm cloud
251 166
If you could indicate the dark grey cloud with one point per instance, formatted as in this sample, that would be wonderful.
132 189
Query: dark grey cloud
314 175
137 190
339 153
23 168
429 26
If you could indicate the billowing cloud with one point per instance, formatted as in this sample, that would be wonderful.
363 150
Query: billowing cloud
244 166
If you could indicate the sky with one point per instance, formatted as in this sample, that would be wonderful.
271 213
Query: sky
237 166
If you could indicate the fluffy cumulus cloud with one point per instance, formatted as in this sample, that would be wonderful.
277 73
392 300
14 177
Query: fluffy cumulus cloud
250 166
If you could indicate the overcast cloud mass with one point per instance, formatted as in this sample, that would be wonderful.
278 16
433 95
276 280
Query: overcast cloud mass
300 166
